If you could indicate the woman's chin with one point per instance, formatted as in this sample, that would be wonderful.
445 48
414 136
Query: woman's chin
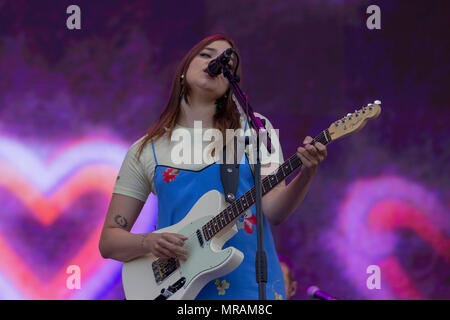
208 88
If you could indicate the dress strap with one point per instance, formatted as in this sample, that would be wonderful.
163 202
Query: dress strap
154 153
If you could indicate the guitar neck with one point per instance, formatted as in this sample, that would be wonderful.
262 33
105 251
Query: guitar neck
242 204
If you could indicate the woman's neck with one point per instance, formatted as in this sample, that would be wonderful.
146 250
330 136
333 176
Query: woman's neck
196 110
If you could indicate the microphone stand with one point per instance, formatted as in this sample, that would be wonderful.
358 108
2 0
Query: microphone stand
261 259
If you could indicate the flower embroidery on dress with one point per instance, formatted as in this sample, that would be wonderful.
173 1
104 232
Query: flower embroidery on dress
170 174
222 286
247 222
276 294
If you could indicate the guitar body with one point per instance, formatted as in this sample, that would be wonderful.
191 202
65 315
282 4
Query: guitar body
146 277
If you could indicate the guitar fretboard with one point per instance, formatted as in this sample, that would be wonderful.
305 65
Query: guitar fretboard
248 199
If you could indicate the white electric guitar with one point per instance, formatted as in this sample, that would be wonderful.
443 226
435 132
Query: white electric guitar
209 225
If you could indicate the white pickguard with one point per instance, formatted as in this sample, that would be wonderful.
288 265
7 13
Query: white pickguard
203 264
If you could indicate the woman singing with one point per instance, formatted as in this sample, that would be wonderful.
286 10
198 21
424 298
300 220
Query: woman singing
149 166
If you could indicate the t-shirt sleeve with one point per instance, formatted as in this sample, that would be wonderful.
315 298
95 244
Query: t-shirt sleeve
133 179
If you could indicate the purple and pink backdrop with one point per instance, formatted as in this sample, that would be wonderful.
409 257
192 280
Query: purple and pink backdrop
73 101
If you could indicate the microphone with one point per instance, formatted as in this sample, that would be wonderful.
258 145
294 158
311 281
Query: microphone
315 292
215 66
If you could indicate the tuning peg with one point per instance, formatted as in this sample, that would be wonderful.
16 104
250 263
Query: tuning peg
377 102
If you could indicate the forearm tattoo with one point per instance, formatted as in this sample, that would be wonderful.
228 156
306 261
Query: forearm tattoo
121 221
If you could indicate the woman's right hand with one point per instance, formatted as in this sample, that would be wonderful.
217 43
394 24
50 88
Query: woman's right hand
166 245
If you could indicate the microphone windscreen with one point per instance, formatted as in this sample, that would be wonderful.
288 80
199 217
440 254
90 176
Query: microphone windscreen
311 291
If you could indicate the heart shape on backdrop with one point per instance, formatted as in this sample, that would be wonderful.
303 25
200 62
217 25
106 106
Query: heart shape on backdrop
397 225
46 191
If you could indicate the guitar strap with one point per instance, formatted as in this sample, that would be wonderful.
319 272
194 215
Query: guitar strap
229 174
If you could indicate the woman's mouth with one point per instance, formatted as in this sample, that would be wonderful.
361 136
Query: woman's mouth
207 74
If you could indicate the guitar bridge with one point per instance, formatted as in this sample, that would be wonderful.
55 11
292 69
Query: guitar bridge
161 269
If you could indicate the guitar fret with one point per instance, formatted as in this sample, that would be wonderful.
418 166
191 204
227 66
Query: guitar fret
282 170
297 162
229 213
251 195
287 168
216 229
246 199
264 186
240 205
210 229
206 232
270 183
239 208
224 217
234 211
290 165
274 177
244 203
279 175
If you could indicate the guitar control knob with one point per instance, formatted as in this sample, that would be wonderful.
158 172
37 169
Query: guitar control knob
377 102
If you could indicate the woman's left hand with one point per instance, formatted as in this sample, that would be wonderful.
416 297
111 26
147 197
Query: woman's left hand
311 156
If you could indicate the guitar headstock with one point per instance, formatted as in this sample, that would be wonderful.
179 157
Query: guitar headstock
355 121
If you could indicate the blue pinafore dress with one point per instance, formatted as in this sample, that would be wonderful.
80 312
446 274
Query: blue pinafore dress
179 189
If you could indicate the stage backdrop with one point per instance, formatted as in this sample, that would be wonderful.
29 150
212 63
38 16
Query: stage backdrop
73 101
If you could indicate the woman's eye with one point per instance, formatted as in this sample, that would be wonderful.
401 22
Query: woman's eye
205 55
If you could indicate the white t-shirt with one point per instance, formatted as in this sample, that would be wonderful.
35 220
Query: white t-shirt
135 178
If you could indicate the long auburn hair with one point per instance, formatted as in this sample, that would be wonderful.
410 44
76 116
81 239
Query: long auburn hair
226 115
